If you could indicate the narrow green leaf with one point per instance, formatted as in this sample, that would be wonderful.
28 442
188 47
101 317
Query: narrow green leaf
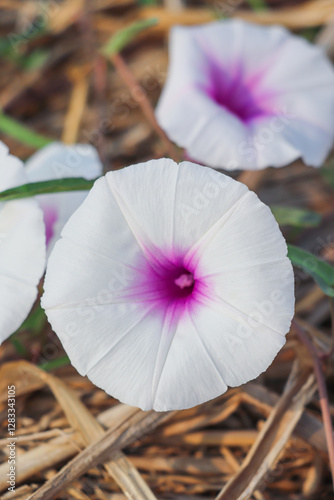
321 272
257 4
55 363
15 45
35 321
45 187
18 346
23 134
289 216
123 37
327 173
35 60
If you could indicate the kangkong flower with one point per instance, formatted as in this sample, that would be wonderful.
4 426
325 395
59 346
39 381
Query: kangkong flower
169 283
58 160
22 248
244 96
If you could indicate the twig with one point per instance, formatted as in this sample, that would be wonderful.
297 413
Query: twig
99 68
324 404
330 352
140 96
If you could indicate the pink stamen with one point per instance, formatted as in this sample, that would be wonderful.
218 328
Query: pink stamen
184 281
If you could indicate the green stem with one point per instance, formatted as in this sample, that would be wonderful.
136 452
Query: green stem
257 4
55 363
23 134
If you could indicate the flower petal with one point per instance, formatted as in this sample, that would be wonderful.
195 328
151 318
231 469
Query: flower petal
244 96
22 249
58 160
55 161
187 197
113 286
245 259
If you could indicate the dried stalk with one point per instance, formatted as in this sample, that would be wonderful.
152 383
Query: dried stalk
112 442
140 96
272 438
324 403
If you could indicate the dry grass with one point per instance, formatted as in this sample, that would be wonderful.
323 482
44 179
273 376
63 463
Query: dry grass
264 440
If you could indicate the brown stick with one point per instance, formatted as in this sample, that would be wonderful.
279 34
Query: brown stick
272 437
140 96
102 450
324 404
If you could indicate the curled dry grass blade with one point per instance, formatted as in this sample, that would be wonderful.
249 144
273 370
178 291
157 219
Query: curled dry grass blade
83 423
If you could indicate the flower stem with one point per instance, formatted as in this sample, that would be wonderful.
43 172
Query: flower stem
140 96
330 352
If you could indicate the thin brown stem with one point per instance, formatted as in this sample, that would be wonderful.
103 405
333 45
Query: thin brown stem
98 66
330 352
323 395
140 96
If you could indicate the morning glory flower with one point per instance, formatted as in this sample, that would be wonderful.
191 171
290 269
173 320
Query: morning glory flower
22 248
245 96
169 283
57 161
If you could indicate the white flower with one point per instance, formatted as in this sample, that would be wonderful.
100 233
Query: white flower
170 282
57 161
244 96
22 248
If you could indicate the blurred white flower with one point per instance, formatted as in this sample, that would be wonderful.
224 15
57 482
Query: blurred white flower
244 96
22 248
57 161
169 283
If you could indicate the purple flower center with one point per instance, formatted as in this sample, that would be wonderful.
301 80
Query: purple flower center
50 218
171 282
164 281
231 91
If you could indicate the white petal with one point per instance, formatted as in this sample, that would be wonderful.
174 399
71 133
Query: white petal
187 197
22 250
240 349
190 375
57 161
245 258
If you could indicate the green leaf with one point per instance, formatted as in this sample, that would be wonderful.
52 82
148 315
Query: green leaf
55 363
289 216
14 45
18 346
45 187
328 174
257 4
123 37
309 33
35 321
35 60
23 134
321 272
